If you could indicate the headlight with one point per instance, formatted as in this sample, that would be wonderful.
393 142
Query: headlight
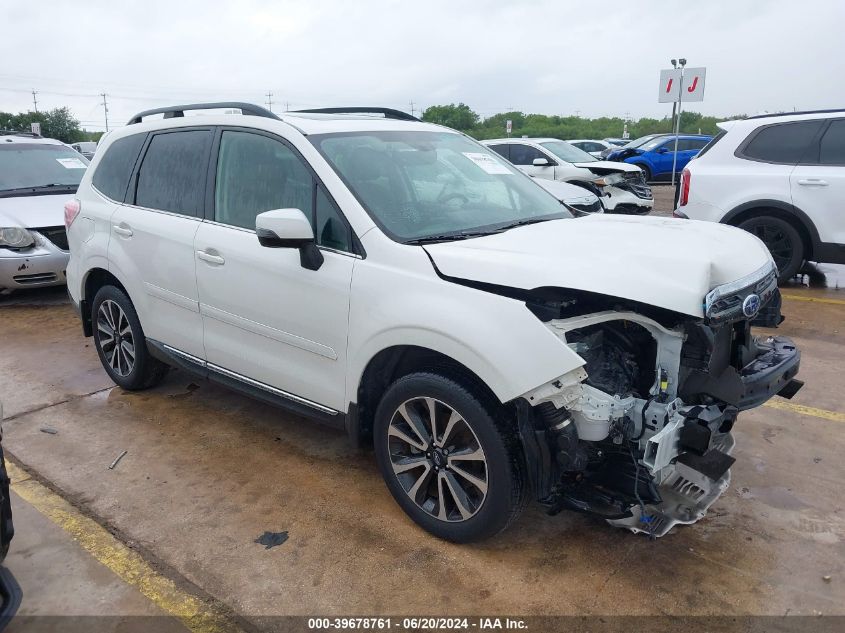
14 237
610 179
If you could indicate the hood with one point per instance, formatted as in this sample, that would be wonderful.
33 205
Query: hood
665 262
603 167
34 211
566 192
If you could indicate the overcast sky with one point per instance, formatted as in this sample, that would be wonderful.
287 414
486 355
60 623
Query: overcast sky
547 56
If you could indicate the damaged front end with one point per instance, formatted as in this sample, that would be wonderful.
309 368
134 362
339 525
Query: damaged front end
641 434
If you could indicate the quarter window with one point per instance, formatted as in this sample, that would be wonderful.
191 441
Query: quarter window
783 143
331 230
112 175
832 145
172 174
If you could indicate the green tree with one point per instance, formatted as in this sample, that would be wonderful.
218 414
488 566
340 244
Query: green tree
459 117
58 123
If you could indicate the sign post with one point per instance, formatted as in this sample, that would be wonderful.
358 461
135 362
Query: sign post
676 86
509 127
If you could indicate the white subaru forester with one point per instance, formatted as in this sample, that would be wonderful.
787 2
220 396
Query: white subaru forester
401 281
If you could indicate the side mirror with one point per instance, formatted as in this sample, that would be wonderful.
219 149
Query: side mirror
541 162
289 228
662 150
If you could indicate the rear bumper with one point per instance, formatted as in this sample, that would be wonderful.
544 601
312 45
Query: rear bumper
771 372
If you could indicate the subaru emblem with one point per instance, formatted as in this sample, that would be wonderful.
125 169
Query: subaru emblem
751 305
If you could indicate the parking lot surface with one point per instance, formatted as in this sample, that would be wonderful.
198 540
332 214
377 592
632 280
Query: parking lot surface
208 471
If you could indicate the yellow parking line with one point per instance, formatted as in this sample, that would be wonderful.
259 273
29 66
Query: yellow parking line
805 410
838 302
197 615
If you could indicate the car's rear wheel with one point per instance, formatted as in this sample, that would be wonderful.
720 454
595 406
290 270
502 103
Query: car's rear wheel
448 463
782 240
120 341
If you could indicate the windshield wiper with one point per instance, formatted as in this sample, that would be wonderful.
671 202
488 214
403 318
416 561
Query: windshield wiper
52 185
525 222
448 237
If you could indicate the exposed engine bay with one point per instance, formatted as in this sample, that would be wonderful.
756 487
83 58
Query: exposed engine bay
641 434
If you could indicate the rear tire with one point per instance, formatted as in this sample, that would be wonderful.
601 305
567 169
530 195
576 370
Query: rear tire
782 240
463 482
120 341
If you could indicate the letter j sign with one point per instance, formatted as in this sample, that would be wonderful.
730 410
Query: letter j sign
671 88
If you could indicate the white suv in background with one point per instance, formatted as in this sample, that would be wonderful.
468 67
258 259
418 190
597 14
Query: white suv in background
781 177
399 280
620 186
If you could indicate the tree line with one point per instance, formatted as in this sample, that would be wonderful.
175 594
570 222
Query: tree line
463 118
57 123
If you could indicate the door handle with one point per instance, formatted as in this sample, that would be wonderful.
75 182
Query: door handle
813 182
211 259
123 231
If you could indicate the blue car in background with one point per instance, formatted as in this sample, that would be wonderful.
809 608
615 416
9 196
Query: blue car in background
653 153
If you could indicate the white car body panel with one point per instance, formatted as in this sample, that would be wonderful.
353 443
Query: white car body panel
821 190
664 263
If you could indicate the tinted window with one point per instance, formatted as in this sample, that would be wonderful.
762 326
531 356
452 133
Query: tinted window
524 154
832 146
501 150
781 143
172 174
331 229
115 168
697 143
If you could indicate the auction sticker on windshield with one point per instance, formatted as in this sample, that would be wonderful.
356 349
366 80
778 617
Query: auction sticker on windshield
71 163
487 163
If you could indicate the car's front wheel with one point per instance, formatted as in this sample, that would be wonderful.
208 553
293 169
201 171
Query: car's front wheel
646 173
782 240
120 341
450 464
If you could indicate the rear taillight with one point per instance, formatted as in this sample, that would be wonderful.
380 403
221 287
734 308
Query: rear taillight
685 179
72 209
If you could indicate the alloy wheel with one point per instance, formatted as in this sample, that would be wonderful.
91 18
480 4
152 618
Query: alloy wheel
437 459
115 337
778 243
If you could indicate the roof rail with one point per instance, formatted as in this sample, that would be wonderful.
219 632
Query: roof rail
179 110
389 113
19 133
766 116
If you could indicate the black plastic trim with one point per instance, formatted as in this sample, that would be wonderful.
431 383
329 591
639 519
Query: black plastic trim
388 113
178 111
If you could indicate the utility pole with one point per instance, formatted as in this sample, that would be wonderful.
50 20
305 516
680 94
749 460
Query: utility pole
105 105
35 100
411 103
287 106
269 96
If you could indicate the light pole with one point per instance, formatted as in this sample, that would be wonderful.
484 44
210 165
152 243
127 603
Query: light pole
681 62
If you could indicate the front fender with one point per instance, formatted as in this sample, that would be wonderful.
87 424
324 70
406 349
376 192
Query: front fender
496 337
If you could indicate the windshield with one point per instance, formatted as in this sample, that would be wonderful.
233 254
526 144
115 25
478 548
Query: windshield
640 141
420 186
567 152
30 165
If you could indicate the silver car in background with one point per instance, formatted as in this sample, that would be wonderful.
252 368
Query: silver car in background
37 176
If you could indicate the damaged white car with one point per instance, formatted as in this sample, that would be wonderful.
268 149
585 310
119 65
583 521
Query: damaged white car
621 187
401 281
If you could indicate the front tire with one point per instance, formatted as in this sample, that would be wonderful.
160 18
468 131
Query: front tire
120 341
451 466
782 240
646 173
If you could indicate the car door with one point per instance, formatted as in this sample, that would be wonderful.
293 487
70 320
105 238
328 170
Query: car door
661 157
817 183
266 319
152 236
523 155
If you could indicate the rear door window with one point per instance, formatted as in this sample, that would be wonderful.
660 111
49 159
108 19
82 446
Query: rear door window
112 175
832 144
782 143
173 171
501 150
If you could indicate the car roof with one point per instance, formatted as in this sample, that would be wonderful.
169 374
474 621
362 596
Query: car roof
26 137
539 139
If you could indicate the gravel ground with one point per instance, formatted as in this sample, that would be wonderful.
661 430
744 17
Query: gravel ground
663 199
